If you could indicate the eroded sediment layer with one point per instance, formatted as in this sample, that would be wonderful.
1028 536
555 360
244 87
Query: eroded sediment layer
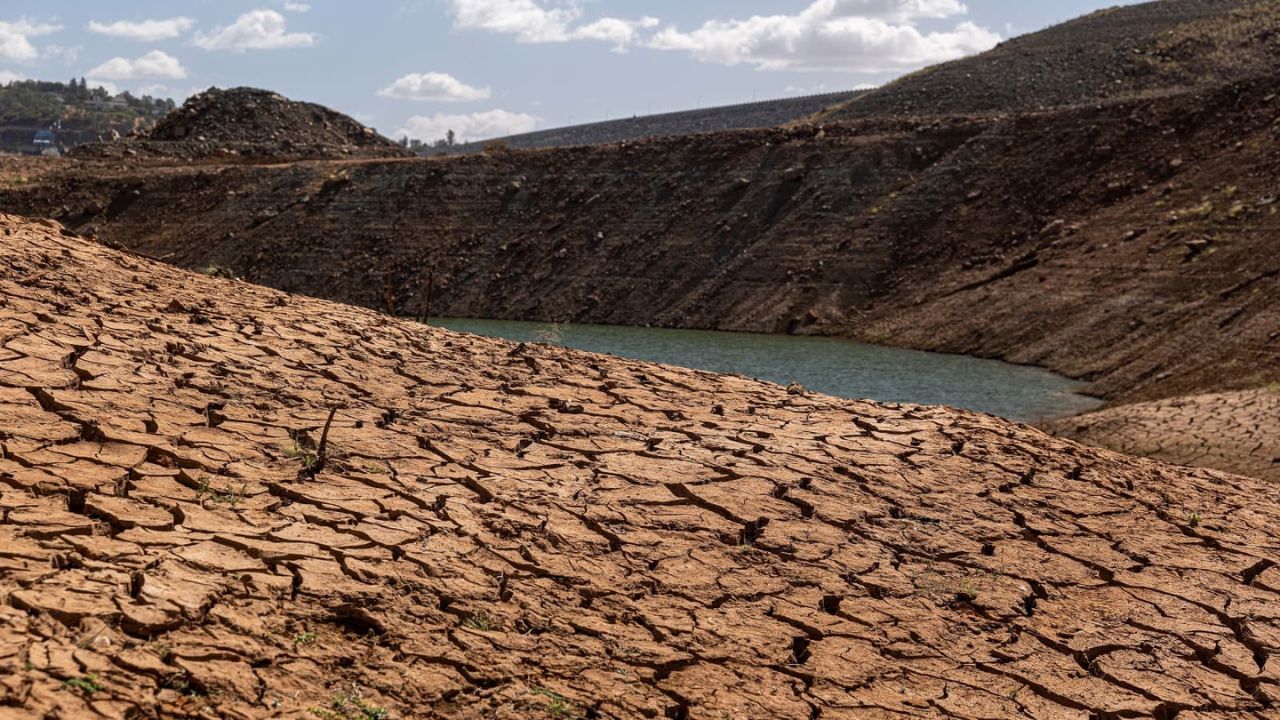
1235 429
497 530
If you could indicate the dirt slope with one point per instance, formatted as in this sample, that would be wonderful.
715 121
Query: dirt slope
1219 429
511 531
1128 245
763 114
249 123
1142 50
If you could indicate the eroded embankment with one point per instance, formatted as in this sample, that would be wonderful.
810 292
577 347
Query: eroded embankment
492 530
1131 244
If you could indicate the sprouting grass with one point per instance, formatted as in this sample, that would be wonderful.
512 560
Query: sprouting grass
297 452
348 706
232 497
304 638
202 487
87 684
557 705
227 496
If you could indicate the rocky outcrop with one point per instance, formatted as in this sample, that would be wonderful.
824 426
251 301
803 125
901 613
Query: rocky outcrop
218 498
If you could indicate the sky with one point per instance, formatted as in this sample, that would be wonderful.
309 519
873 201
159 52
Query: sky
486 68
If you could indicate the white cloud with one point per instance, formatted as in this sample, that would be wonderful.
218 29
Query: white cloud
298 7
110 87
861 36
476 126
7 76
155 64
622 33
144 30
68 55
15 38
531 22
436 86
255 30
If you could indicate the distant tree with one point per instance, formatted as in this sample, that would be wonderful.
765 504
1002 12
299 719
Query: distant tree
404 141
450 138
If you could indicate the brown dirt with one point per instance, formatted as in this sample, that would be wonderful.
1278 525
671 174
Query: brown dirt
252 124
506 531
1127 245
1235 430
1129 242
1119 53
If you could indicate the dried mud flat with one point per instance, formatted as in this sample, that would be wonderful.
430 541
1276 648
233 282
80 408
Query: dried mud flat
503 531
1211 430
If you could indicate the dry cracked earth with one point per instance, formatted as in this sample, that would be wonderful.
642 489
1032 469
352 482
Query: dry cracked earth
490 530
1230 429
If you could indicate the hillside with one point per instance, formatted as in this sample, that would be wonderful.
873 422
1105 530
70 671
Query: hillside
222 500
1134 51
1128 243
769 113
248 123
79 114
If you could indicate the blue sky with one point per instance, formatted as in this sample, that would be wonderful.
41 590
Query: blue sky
492 67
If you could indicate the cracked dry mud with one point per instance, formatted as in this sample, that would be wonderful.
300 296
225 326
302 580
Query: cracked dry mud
1235 430
504 531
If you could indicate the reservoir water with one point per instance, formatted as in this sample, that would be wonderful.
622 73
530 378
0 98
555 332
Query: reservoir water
828 365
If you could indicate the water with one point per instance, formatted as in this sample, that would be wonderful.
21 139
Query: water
828 365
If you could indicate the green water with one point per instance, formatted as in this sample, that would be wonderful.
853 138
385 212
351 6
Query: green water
829 365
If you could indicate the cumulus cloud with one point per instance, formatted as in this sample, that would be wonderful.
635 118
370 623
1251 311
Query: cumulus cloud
111 88
440 87
297 7
861 36
15 38
143 30
476 126
255 30
622 33
531 22
155 64
8 76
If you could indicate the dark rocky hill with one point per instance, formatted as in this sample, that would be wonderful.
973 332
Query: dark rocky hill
1124 52
251 123
764 114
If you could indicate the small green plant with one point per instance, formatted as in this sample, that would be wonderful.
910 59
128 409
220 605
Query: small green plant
557 705
1193 519
350 706
297 452
87 684
232 497
202 487
304 638
479 621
